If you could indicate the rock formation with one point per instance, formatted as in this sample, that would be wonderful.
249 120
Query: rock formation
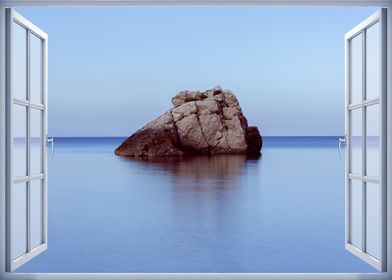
209 122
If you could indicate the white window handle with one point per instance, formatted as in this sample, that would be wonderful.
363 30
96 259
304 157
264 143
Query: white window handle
51 141
341 140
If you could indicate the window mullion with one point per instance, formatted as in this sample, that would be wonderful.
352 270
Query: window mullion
363 140
28 227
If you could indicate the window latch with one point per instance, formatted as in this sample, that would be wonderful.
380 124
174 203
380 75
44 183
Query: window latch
51 141
342 140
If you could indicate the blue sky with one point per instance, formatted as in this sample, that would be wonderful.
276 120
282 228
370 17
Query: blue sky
111 70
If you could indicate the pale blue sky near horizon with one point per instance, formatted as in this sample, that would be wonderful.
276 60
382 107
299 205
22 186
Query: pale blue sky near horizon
112 70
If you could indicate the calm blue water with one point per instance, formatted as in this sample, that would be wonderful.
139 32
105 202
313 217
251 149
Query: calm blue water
281 212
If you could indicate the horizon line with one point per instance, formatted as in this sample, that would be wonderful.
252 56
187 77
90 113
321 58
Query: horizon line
282 136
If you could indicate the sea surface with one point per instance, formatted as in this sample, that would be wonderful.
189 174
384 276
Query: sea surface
280 212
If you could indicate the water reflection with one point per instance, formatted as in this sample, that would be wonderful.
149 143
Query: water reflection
197 198
199 171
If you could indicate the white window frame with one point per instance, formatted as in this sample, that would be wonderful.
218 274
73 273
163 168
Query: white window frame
193 276
31 30
361 28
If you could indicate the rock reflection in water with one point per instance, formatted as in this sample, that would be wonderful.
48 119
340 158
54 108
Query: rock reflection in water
199 171
194 193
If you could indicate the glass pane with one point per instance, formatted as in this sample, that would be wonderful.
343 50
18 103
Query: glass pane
19 142
373 61
356 141
36 69
19 219
356 213
36 141
373 219
373 140
356 69
19 62
36 213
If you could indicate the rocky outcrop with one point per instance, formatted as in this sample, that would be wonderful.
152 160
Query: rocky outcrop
209 122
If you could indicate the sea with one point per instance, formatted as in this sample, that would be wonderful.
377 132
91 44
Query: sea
282 211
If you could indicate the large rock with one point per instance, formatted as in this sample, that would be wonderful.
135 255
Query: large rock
209 122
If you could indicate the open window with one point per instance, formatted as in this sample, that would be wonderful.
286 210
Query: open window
366 140
26 141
